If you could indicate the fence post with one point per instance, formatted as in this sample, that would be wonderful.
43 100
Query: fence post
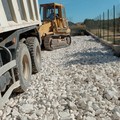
100 26
103 24
114 24
108 26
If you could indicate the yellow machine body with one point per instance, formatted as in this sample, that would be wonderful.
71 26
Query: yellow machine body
54 31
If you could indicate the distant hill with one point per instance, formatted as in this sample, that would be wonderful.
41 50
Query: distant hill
76 28
70 23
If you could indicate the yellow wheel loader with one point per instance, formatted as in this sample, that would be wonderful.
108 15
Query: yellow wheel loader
55 32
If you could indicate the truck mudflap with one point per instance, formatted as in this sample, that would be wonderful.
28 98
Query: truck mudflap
5 97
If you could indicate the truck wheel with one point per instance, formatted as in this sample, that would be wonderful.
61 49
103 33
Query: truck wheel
35 52
24 68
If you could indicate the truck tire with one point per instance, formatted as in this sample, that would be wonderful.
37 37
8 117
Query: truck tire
35 53
24 67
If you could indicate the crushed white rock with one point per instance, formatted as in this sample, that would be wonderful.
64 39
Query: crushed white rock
79 82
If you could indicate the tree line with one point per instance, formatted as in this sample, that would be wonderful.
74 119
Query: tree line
103 24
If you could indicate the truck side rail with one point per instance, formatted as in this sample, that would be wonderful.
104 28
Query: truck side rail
7 67
3 69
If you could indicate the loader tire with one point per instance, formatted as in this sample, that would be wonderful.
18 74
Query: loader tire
24 67
35 53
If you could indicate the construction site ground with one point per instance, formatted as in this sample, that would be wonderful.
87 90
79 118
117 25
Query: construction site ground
79 82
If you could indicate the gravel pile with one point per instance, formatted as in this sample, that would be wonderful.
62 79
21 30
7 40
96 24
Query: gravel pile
80 82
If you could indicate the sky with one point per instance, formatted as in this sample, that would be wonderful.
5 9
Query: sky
79 10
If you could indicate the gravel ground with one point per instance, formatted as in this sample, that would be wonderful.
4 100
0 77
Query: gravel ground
80 82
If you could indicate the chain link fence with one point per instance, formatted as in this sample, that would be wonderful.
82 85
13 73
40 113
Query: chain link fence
106 25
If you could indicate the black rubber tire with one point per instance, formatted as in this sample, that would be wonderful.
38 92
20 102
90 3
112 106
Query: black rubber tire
35 53
24 67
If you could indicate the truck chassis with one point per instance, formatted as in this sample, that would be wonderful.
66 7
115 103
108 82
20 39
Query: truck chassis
9 44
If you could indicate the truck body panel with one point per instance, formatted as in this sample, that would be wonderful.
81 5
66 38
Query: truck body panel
17 14
19 43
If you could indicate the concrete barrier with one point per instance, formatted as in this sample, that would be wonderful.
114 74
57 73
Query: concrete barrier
114 47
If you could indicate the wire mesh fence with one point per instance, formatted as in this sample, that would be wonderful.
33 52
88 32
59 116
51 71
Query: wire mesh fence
106 25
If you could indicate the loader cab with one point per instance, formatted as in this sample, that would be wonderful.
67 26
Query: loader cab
54 12
53 16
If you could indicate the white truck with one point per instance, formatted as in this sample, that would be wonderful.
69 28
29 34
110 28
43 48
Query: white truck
20 51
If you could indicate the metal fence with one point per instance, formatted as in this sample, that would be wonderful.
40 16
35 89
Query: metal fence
106 25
